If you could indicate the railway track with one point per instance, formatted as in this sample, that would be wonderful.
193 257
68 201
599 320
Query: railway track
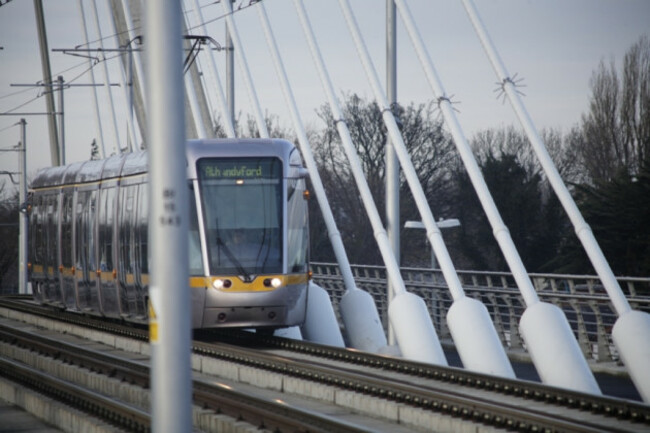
410 395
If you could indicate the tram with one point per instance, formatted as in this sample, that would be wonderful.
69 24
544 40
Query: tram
248 235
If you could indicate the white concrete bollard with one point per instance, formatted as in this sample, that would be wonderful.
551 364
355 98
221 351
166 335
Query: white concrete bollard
554 349
362 323
476 339
321 325
414 331
631 335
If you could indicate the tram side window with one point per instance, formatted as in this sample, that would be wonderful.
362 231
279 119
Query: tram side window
126 227
89 218
81 235
196 263
66 228
52 226
36 229
298 234
107 207
142 228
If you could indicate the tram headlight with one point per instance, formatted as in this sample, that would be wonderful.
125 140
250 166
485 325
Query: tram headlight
221 284
273 282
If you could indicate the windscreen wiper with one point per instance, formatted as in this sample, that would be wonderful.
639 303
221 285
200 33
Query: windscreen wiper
233 259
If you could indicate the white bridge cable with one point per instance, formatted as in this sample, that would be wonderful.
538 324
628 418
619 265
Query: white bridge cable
98 122
407 313
433 232
221 99
500 230
248 80
581 227
543 326
305 147
630 332
117 144
392 268
127 87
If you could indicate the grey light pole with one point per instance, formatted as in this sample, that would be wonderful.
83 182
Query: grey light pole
169 299
442 224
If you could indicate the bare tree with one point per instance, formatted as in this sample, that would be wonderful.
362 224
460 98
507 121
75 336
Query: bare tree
432 154
617 127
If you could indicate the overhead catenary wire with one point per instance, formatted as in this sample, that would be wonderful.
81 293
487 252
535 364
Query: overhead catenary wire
127 88
221 99
98 121
191 92
248 80
109 93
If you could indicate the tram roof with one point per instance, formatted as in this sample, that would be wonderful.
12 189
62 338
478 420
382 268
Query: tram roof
129 164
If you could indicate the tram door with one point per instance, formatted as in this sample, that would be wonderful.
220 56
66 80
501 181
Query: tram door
51 256
107 272
141 239
85 254
126 265
37 246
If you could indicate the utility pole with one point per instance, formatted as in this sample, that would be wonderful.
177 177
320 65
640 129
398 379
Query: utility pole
61 123
22 198
230 74
47 80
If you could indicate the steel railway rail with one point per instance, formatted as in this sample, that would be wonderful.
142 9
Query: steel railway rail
264 413
448 392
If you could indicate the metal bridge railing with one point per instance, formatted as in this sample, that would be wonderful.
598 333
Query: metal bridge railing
582 298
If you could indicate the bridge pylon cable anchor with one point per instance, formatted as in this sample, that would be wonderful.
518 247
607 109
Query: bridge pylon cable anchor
514 81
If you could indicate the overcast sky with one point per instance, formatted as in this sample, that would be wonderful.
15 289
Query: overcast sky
554 45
